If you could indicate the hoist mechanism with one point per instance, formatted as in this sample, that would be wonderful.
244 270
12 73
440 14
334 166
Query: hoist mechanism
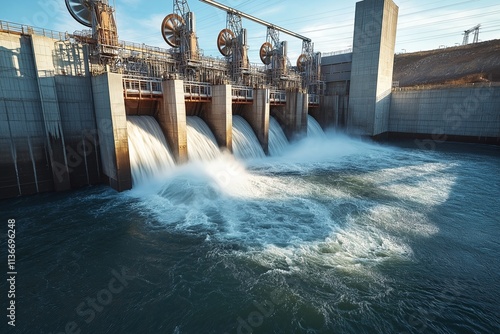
172 29
98 15
179 31
232 44
225 42
309 65
266 53
273 53
81 11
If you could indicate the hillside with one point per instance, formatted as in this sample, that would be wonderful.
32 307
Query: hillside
478 62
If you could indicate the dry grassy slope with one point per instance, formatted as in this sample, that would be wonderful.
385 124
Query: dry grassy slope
478 62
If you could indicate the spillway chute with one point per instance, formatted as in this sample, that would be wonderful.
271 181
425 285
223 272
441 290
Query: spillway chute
277 138
245 142
313 128
150 156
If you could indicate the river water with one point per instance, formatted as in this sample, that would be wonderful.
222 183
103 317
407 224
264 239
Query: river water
334 235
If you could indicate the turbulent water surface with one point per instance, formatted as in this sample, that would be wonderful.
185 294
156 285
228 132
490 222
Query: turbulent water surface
334 235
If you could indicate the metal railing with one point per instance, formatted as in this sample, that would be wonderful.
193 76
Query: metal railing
314 99
277 96
197 91
142 87
27 30
242 93
334 53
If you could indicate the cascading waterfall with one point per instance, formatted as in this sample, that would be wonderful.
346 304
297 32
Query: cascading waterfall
277 138
245 142
313 128
202 144
150 156
148 149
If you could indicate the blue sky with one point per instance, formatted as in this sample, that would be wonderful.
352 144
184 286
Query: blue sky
422 24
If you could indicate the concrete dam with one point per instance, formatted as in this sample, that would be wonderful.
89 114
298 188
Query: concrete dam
85 108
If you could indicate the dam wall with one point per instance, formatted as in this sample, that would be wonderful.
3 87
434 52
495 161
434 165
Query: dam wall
468 113
48 136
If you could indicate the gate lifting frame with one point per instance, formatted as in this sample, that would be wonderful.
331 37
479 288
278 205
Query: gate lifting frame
273 52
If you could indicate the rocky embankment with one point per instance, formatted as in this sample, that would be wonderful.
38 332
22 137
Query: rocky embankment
473 63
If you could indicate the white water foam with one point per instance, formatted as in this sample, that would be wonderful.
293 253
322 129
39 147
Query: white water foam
150 156
313 128
287 221
428 184
201 142
245 142
277 139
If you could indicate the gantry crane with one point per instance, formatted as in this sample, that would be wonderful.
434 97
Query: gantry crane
474 29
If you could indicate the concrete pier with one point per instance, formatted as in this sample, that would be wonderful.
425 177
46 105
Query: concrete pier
293 115
257 115
219 116
372 66
172 118
111 119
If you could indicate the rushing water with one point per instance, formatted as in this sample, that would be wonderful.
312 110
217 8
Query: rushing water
202 144
148 149
313 128
335 235
245 142
277 140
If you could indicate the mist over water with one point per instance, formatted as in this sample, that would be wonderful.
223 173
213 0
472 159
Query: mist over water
332 234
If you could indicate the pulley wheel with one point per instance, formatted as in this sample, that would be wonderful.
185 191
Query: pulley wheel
225 42
81 11
266 53
171 29
301 62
